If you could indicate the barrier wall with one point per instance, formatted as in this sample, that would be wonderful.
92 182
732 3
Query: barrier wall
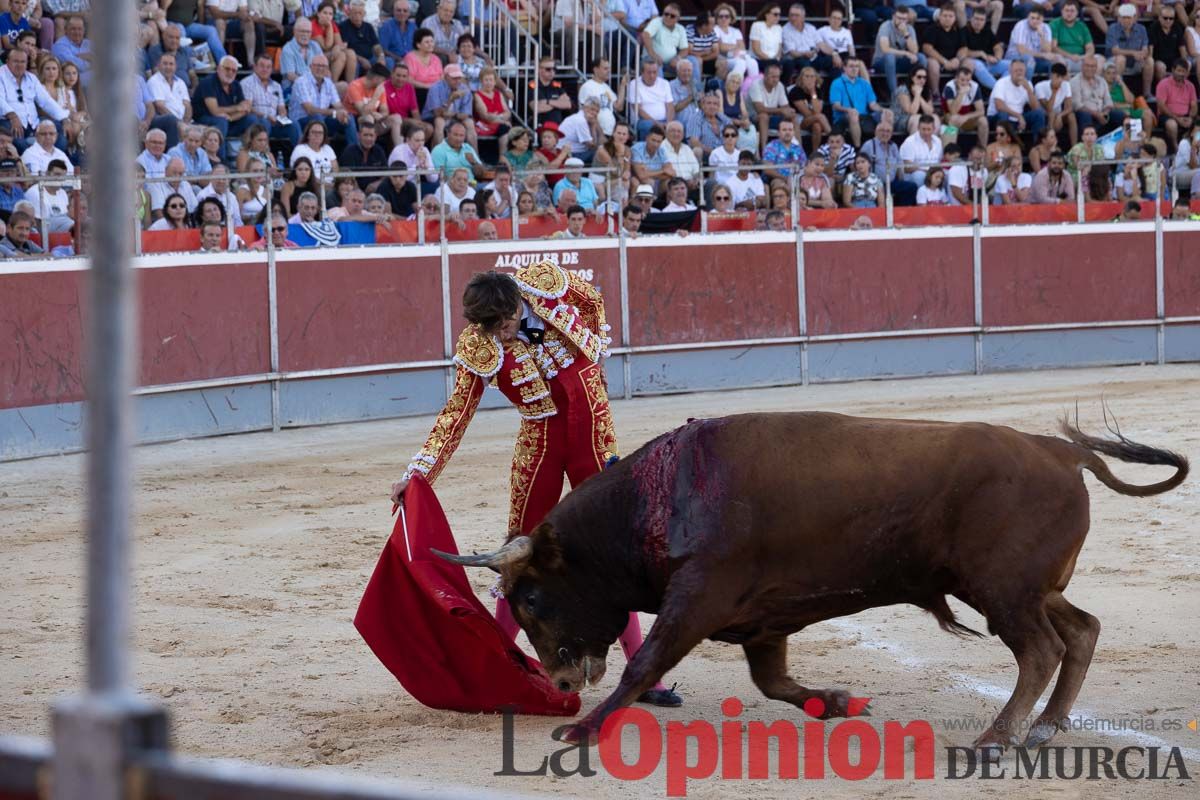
232 343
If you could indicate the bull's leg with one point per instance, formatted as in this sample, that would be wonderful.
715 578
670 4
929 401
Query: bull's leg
1038 651
768 670
1079 631
690 611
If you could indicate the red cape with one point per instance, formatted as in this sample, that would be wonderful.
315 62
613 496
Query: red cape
422 620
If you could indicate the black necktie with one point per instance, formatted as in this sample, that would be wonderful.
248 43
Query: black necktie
534 335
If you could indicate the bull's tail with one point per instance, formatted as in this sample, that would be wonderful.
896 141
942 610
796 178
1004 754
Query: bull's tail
1130 451
946 620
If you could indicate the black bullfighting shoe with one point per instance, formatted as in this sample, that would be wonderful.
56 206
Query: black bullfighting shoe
667 698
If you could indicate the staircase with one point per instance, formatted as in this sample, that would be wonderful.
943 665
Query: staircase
516 43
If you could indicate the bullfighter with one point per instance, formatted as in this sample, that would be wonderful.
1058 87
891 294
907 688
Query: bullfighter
539 337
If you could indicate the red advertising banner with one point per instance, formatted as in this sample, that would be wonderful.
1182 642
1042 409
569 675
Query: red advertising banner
203 321
889 284
354 312
691 291
1031 280
599 266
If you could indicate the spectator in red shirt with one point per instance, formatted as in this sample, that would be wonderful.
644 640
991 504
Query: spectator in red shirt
402 106
1176 103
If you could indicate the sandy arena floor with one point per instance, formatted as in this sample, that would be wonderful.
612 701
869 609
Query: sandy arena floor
252 553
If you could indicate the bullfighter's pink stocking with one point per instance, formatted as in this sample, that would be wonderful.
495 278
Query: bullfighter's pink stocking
631 641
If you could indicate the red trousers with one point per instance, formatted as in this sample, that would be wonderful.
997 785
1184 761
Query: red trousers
575 442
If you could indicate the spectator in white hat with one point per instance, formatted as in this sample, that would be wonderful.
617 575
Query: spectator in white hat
585 190
1127 42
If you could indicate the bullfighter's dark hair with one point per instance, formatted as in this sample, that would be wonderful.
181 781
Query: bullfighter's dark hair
490 298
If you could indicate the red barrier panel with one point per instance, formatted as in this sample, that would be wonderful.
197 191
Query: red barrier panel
599 266
841 217
203 321
889 284
41 349
188 240
1072 278
353 312
913 216
1181 273
196 323
1032 215
680 292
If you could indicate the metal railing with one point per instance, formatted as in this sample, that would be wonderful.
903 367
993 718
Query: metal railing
514 45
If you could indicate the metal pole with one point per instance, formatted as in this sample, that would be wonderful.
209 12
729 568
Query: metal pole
801 293
447 331
623 261
93 733
273 303
111 340
1159 289
1080 214
977 283
888 205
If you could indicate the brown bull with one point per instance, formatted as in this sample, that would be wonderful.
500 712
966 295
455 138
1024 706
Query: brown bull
749 528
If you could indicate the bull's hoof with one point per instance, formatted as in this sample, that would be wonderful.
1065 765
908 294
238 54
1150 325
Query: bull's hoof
994 741
1042 732
836 703
579 734
666 698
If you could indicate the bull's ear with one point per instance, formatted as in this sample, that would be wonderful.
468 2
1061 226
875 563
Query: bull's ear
547 552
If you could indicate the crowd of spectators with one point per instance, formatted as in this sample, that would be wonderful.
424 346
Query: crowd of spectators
934 105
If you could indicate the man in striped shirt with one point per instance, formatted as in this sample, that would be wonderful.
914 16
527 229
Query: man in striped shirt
702 43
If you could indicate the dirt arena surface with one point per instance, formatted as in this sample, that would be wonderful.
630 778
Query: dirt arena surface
252 553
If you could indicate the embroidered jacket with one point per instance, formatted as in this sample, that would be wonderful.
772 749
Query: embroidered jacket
573 313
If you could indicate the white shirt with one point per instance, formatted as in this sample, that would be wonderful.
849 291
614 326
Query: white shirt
684 160
769 38
33 96
652 99
160 191
959 176
841 41
449 199
748 189
229 200
723 158
1015 97
731 36
513 195
574 131
228 6
322 160
1003 186
36 159
676 207
916 151
173 95
600 92
799 41
58 204
1042 92
155 167
931 197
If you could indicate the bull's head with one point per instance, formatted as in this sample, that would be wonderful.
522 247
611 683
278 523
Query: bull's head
568 617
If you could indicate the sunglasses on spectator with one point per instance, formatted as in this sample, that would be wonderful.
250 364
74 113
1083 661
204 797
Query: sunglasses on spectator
730 135
176 205
920 76
280 229
724 16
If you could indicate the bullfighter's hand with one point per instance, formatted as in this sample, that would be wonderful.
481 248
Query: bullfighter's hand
398 491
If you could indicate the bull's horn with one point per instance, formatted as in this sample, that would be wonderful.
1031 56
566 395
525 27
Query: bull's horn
518 550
